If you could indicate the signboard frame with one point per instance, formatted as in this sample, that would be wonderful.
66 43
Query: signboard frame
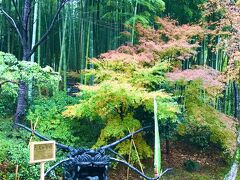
32 152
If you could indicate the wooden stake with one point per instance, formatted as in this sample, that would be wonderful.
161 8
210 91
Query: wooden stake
42 170
16 173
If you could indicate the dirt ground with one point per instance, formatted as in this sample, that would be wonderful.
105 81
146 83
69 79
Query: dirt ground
210 163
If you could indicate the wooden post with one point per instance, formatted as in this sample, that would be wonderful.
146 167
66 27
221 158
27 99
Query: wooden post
42 170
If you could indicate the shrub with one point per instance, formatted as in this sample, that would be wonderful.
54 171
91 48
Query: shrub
12 70
13 154
51 123
206 126
199 136
7 102
191 165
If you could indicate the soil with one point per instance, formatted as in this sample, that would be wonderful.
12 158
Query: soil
180 152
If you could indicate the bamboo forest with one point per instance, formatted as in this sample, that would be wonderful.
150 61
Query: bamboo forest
119 89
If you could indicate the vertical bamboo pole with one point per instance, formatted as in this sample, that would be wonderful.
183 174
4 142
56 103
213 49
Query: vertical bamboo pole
34 33
87 51
62 45
82 42
157 148
39 33
135 13
9 34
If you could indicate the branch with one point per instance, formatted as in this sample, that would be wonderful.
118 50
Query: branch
9 18
124 138
15 7
139 172
8 81
43 38
62 146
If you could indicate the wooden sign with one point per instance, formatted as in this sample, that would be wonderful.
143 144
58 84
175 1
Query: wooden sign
42 151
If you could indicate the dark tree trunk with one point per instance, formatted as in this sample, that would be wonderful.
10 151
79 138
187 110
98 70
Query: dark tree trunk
26 53
22 88
236 100
25 34
21 102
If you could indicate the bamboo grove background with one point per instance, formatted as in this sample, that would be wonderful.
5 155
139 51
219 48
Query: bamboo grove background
87 28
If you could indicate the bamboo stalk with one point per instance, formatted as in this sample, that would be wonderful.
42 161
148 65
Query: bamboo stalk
134 22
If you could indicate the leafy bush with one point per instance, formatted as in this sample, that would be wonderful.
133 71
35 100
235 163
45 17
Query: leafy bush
7 103
5 132
114 105
199 136
19 155
191 165
4 149
51 123
237 156
13 154
12 71
204 125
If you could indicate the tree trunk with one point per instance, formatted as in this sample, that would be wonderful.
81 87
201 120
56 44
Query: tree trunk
236 100
21 102
25 34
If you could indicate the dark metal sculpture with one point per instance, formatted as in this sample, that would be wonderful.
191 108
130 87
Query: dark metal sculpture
89 164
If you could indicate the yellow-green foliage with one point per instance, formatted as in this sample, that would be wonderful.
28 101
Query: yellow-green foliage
133 72
222 130
112 98
122 88
114 104
13 70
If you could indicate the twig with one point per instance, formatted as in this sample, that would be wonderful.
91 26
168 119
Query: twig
139 161
42 39
129 157
125 138
12 22
8 81
33 127
15 7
